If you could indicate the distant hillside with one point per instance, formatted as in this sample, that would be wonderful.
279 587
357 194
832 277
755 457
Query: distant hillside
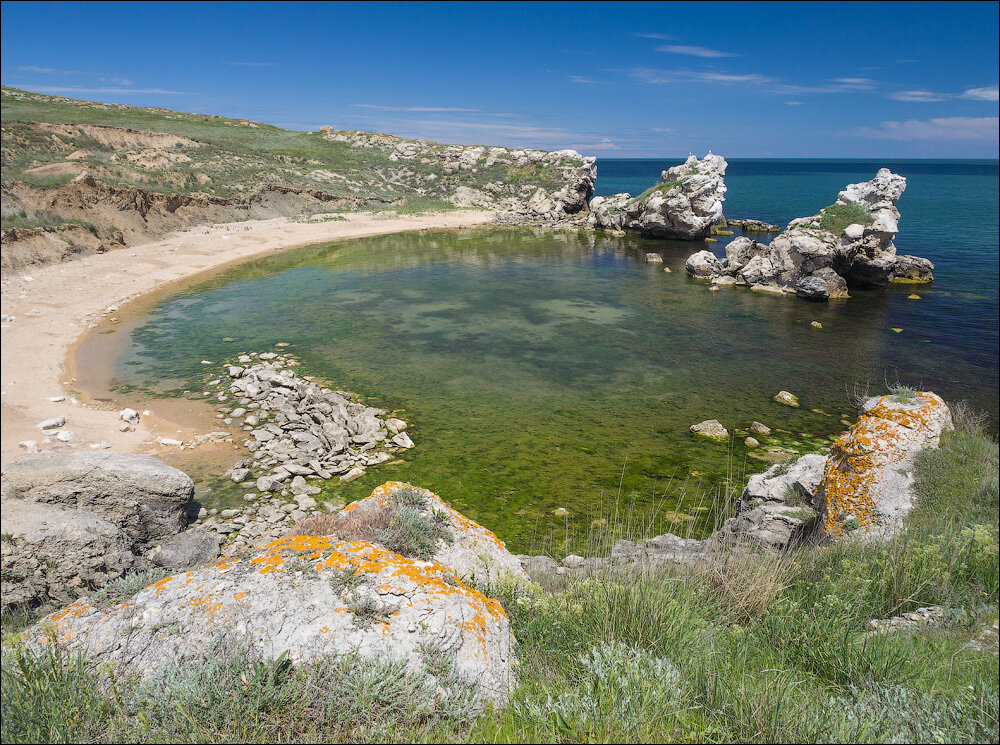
79 175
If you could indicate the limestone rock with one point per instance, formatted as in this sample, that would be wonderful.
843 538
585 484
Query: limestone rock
475 554
816 262
685 204
822 284
759 429
710 429
702 265
57 552
867 485
186 550
777 508
305 596
145 497
786 398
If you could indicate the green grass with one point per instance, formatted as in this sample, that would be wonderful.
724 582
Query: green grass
663 187
754 647
837 217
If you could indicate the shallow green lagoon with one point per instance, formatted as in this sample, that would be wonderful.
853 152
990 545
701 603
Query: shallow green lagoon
537 369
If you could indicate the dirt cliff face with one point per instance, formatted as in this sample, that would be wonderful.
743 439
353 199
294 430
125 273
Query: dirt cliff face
121 175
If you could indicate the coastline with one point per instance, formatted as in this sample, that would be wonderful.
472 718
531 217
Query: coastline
55 306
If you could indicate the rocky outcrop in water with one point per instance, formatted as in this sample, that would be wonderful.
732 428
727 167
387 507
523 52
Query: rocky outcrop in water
849 243
74 521
685 204
299 429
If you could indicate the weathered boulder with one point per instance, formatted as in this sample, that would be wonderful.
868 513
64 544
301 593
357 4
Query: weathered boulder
685 204
822 284
305 596
186 550
474 553
913 269
143 496
777 508
711 429
818 257
703 265
53 552
867 484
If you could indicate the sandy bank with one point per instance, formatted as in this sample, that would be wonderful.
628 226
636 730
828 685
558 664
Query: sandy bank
54 306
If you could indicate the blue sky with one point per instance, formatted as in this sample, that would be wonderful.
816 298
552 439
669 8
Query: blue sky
615 80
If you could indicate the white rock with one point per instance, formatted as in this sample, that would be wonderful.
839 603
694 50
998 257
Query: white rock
54 423
129 415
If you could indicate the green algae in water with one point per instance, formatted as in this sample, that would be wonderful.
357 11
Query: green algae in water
537 369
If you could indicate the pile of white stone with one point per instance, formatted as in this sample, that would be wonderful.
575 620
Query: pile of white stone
298 429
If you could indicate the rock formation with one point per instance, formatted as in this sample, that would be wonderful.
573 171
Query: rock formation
475 554
849 243
74 521
298 428
685 204
777 508
311 596
867 484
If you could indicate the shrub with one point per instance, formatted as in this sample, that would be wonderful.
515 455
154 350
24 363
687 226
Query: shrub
119 590
837 217
406 525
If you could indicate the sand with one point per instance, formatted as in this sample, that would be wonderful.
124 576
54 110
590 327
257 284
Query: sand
54 306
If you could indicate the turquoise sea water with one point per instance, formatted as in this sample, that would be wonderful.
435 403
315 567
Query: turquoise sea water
547 368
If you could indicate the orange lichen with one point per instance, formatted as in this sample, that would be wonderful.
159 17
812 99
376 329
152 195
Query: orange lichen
851 479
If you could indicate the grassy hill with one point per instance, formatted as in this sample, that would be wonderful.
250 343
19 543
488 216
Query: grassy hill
60 155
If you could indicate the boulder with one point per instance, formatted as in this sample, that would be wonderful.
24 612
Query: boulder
867 484
685 204
186 550
913 269
786 398
710 429
56 552
822 284
702 265
777 508
143 496
304 596
475 553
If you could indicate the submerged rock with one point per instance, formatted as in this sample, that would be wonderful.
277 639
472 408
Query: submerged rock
685 204
867 485
711 429
786 398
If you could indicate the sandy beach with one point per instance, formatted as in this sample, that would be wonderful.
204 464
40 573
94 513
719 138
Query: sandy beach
47 310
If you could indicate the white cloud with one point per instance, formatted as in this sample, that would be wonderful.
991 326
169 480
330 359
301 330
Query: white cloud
588 81
918 96
947 128
663 130
250 64
982 94
793 103
663 77
988 93
661 37
694 51
860 83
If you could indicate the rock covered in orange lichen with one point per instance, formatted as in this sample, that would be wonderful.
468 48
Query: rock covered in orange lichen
475 554
867 483
304 595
